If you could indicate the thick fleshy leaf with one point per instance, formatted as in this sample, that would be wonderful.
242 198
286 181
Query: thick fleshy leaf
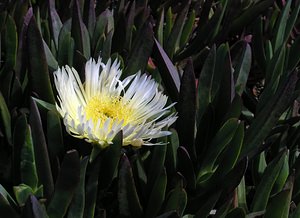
187 109
282 176
5 118
172 42
129 203
218 144
242 65
19 136
258 167
157 195
141 48
80 32
40 150
66 184
38 66
206 32
156 165
168 26
34 209
171 154
78 202
66 48
10 45
249 15
208 205
185 166
167 71
92 191
267 118
27 164
231 154
110 160
263 190
129 26
280 33
176 200
54 135
7 202
279 206
241 195
187 29
236 213
23 192
52 63
159 33
207 84
56 23
258 43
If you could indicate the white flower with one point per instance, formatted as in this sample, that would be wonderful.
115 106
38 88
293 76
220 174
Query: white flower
104 105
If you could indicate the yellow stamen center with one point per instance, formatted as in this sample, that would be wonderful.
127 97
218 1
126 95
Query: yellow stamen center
103 107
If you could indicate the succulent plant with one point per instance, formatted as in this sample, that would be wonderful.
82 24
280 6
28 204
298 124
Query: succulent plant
229 68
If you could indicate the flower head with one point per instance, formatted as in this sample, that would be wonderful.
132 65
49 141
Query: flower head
104 105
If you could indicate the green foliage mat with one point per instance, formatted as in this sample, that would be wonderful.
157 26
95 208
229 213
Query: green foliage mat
230 66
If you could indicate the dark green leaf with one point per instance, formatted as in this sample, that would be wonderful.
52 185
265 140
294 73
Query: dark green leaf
267 118
34 209
263 190
168 71
258 167
157 164
206 83
218 144
40 150
236 213
66 184
209 204
279 206
231 154
175 35
168 25
258 43
10 45
78 202
110 159
176 200
157 195
241 195
66 48
51 61
6 199
23 191
129 203
171 154
187 29
282 176
249 15
141 48
294 56
185 166
92 191
56 24
129 26
160 27
5 118
80 32
27 164
242 68
37 63
187 109
54 135
281 27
